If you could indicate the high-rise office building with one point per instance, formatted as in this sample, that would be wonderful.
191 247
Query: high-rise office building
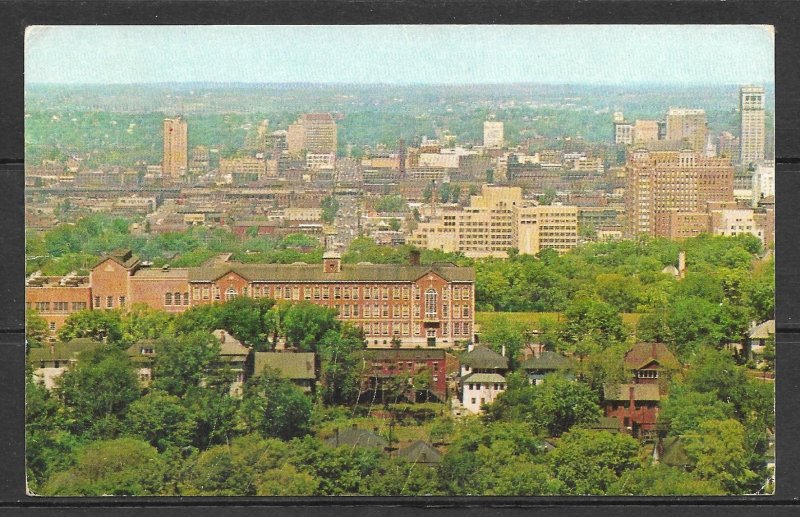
751 109
666 193
493 134
176 147
313 133
688 125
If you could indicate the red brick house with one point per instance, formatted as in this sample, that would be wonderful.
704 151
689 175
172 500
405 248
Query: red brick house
651 363
381 366
634 405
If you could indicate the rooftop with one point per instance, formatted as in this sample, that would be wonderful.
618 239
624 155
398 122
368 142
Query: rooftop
293 366
641 392
488 378
642 354
547 361
484 358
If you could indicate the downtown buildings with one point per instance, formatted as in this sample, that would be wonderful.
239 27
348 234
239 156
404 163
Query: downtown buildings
312 133
751 110
176 147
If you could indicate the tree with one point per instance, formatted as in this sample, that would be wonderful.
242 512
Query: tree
501 332
330 207
125 466
553 407
394 224
547 197
684 410
661 480
591 462
36 331
391 204
98 390
144 322
161 420
100 325
275 408
396 476
305 323
444 192
183 361
592 325
718 451
340 365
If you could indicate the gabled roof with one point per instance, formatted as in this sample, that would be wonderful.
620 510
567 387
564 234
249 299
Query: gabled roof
294 366
62 351
641 392
763 330
229 345
642 354
315 273
134 352
488 378
484 358
420 452
123 257
547 361
357 438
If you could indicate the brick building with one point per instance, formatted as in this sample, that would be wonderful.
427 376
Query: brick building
425 305
55 298
382 365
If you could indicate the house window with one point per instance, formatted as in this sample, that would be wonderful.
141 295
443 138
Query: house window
97 302
230 294
196 293
355 310
307 293
287 292
395 293
109 302
385 312
445 310
186 298
430 303
52 325
296 293
456 293
326 293
355 292
465 311
122 301
337 293
473 400
205 292
316 293
168 299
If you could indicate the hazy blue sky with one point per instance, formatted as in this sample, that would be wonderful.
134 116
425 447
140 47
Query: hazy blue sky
610 54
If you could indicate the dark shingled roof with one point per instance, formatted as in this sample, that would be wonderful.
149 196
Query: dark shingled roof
484 358
420 452
357 438
547 361
314 273
62 351
294 366
643 353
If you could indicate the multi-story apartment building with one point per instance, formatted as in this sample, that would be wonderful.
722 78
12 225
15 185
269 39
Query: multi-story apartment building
421 305
667 192
689 125
497 220
493 134
752 138
313 133
176 147
645 131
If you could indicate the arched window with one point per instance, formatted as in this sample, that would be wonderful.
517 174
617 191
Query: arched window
186 298
168 299
176 298
230 294
430 303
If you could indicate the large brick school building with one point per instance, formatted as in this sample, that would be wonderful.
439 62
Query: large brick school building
421 305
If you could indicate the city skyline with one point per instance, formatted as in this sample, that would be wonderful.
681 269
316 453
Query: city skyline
678 55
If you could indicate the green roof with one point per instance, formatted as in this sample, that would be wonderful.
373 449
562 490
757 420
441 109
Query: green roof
62 351
489 378
314 273
291 365
547 361
420 452
641 392
357 438
483 357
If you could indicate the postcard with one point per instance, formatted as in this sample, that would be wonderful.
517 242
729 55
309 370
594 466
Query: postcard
400 260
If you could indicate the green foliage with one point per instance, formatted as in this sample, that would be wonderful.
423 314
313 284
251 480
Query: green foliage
513 335
330 207
100 325
142 322
98 390
183 360
391 204
125 466
275 408
36 330
552 408
660 480
718 450
340 373
684 410
591 462
161 420
305 324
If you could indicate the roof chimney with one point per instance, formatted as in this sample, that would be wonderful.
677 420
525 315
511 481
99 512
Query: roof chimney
221 336
503 350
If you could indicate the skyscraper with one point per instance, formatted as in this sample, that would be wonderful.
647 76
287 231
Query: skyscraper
689 125
176 147
493 134
751 109
667 192
314 133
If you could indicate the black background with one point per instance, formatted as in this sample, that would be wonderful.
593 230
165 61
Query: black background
16 15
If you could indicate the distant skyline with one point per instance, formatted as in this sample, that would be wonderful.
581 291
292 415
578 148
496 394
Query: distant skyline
684 55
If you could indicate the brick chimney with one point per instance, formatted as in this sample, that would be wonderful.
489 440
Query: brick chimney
331 262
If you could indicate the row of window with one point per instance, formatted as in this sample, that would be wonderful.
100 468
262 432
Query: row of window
479 386
56 306
460 329
176 299
109 302
289 292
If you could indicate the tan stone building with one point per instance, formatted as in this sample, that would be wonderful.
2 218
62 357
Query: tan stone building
752 139
176 147
313 133
664 188
497 220
688 125
645 131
